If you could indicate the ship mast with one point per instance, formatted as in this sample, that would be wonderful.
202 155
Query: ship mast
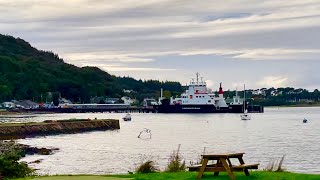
197 74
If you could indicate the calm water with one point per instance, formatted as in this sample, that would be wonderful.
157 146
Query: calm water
268 136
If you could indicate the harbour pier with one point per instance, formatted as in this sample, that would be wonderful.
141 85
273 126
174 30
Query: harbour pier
52 127
97 110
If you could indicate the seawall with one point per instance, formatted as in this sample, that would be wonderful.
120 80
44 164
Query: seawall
22 130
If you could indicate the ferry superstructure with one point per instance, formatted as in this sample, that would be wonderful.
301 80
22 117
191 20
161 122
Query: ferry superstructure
197 99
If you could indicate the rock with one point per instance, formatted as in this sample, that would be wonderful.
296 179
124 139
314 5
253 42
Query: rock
36 161
6 146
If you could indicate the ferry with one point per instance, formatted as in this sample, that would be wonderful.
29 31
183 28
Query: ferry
197 99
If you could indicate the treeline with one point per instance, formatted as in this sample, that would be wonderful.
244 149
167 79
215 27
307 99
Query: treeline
28 73
279 96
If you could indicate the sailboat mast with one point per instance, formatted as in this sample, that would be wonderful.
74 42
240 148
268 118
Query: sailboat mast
244 98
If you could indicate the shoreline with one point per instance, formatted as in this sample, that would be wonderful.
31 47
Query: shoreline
6 145
289 106
4 113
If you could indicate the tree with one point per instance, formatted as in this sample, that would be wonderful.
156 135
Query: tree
55 98
166 94
10 167
316 95
5 92
101 101
27 73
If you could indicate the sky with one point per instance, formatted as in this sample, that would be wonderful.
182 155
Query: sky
273 43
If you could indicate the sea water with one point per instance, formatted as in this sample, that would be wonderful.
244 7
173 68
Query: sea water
265 139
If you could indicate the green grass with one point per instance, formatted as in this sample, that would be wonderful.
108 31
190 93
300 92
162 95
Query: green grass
187 175
76 177
19 124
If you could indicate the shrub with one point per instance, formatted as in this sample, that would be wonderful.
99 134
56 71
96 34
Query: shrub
175 162
147 167
280 168
10 167
275 166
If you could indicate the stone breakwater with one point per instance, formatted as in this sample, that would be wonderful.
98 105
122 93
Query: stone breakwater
22 130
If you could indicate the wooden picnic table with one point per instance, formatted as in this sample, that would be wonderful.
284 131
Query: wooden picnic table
223 164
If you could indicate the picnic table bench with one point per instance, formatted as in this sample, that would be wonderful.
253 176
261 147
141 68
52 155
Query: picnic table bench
223 164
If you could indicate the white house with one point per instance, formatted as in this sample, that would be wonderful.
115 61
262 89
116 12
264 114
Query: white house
149 102
9 105
128 100
26 104
259 92
127 90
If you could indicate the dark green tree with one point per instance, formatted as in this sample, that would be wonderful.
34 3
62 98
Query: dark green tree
26 73
55 98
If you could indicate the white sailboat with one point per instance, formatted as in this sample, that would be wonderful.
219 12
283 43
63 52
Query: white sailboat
245 115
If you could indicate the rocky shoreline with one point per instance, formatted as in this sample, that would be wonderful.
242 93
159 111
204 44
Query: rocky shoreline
8 146
11 153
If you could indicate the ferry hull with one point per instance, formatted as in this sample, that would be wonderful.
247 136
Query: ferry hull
196 109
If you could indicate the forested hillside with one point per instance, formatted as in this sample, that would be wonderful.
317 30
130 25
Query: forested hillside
28 73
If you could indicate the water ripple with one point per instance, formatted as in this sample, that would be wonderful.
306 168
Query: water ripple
265 138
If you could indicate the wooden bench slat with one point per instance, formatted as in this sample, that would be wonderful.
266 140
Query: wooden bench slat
231 155
212 168
220 169
246 166
198 166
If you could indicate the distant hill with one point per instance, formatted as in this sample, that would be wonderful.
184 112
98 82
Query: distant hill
28 73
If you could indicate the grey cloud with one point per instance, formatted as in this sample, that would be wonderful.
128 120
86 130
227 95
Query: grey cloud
225 36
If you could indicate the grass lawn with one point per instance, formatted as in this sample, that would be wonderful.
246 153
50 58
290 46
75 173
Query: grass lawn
186 175
77 177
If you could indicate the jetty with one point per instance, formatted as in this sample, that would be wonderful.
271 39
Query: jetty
52 127
250 109
84 110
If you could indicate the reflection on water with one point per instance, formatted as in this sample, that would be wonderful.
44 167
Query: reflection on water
266 137
16 118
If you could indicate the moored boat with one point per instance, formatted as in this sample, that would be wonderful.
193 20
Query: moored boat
127 117
245 115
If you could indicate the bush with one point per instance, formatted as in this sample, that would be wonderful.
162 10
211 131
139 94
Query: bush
11 168
147 167
175 162
275 166
280 168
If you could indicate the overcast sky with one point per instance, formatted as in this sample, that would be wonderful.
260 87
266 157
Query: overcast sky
260 43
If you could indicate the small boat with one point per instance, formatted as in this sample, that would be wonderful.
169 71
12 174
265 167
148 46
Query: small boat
127 117
304 120
245 115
